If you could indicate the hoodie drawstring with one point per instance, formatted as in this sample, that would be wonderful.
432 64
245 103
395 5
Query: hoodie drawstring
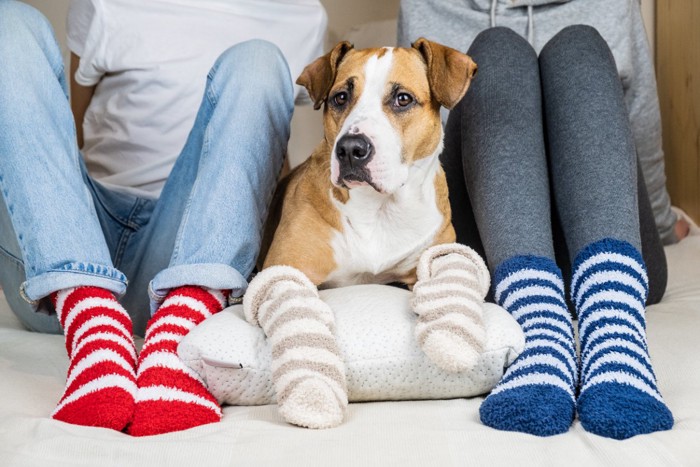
493 13
530 21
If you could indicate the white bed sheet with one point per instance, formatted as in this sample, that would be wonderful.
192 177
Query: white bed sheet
433 433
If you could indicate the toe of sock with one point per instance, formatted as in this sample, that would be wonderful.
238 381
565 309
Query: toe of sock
313 404
537 410
113 410
621 411
159 417
451 352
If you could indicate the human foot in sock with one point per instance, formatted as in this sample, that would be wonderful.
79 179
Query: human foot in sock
100 386
171 396
536 394
307 370
619 398
448 299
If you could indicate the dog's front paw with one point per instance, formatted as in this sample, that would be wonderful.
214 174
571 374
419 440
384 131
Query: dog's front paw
448 299
312 402
307 369
454 348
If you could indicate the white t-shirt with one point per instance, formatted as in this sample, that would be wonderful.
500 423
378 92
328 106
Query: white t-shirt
151 59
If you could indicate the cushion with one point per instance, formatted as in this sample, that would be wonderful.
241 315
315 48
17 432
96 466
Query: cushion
374 328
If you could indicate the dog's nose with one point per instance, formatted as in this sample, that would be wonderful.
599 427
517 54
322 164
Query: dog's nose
354 149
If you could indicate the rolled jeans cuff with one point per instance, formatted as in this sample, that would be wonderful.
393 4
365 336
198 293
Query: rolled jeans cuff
73 275
209 275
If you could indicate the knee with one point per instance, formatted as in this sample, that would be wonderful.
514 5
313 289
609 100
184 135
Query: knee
501 40
578 53
501 52
24 32
256 65
504 58
581 40
19 23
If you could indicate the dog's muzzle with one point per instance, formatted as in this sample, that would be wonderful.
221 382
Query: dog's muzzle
354 151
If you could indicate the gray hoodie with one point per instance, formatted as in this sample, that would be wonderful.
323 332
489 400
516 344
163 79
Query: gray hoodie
457 22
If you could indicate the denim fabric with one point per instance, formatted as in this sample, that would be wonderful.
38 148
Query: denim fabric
59 228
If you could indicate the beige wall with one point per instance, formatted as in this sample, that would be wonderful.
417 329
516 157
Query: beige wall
342 16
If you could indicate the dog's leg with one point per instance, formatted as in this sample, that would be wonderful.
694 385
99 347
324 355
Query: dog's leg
307 370
448 298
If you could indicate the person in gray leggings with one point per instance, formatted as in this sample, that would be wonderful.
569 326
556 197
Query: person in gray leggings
543 178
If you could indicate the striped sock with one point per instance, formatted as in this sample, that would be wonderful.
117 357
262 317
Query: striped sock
307 369
536 394
448 299
101 381
619 398
171 396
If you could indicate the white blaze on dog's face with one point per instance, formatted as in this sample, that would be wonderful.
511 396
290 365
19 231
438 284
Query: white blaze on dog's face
381 111
366 102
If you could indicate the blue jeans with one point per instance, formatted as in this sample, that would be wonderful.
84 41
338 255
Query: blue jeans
59 228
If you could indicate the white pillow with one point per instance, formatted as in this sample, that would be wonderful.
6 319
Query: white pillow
374 326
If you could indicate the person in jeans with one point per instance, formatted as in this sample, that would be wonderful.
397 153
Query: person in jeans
184 136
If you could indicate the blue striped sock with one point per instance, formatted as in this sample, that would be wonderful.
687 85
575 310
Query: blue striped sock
619 398
536 394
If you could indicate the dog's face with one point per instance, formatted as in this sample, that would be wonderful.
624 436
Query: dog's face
382 108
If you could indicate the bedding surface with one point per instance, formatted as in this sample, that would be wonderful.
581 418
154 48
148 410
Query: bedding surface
435 433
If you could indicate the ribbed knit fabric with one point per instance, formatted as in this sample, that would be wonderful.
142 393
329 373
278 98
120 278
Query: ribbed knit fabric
171 396
307 369
619 398
536 394
100 386
448 298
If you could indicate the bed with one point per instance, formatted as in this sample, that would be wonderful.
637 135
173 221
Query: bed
436 433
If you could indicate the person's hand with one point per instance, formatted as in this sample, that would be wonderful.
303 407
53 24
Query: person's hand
681 229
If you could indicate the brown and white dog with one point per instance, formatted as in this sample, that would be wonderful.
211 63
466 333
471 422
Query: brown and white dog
372 197
369 206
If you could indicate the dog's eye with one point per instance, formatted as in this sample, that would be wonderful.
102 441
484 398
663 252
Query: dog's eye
340 98
403 99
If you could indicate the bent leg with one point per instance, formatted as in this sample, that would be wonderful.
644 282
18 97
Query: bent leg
506 175
50 232
206 228
210 216
595 187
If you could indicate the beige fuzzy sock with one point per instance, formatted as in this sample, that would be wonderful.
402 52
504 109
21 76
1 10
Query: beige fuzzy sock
448 297
307 370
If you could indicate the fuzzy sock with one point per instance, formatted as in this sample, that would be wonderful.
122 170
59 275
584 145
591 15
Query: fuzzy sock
619 398
101 381
171 396
448 298
307 370
536 394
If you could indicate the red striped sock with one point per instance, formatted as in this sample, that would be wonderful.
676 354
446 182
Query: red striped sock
101 381
172 397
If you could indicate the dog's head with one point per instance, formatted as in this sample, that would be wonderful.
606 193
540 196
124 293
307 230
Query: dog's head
382 107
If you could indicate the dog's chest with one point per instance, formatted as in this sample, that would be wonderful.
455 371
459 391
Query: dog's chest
382 238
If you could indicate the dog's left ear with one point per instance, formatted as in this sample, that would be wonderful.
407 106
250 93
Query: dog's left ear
318 77
449 71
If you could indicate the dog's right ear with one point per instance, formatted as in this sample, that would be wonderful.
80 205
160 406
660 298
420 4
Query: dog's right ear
449 71
318 77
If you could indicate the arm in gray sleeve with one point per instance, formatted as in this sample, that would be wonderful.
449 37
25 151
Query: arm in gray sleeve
643 105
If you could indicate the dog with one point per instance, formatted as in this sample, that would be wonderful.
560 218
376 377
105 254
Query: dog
372 196
369 206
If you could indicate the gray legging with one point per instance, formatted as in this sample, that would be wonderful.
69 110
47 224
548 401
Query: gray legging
539 154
